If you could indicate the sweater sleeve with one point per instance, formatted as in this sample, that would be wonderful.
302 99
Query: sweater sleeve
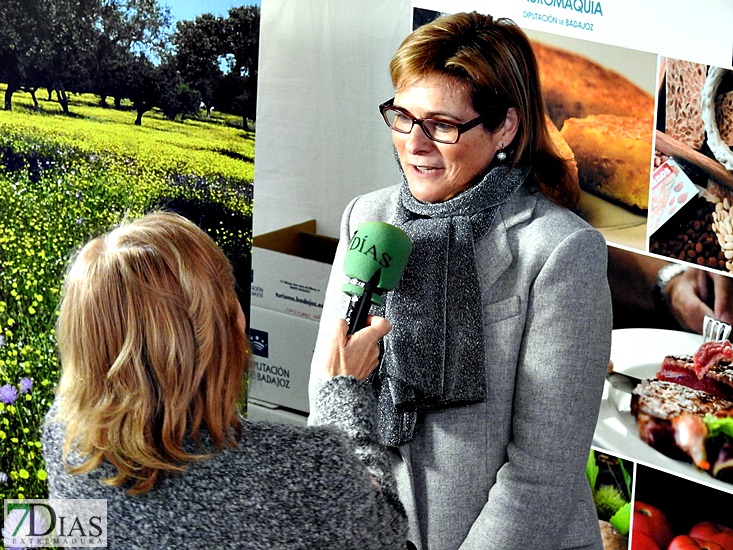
334 307
351 406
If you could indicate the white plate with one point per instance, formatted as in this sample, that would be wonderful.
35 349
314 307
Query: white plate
603 214
619 225
640 352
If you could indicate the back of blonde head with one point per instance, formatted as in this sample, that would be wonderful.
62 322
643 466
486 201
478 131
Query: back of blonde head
151 349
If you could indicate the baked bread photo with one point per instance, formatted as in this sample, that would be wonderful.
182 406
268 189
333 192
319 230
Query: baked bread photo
613 154
606 120
576 87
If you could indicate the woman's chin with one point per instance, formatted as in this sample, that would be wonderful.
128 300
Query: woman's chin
431 193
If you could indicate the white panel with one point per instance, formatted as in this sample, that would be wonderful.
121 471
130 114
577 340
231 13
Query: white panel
323 70
700 31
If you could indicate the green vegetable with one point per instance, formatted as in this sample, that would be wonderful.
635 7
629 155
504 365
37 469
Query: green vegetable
621 520
627 476
611 503
608 501
591 469
717 426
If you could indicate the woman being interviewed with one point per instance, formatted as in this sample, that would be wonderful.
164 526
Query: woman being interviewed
153 354
491 379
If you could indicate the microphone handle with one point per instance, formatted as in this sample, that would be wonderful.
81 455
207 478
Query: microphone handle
359 306
358 311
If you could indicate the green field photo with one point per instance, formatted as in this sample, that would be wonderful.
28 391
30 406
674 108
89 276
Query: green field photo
70 172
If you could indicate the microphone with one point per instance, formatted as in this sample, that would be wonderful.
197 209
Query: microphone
376 258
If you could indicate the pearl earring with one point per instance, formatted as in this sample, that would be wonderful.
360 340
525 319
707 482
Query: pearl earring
501 154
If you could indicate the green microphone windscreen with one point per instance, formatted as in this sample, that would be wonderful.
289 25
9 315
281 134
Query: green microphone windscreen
376 246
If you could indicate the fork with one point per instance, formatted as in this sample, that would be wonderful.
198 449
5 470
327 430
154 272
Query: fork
714 330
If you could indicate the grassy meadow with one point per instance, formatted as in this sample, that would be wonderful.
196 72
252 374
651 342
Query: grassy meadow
64 179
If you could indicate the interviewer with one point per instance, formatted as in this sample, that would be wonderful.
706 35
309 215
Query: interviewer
154 356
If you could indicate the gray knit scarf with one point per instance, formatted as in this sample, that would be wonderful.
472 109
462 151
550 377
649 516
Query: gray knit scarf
434 356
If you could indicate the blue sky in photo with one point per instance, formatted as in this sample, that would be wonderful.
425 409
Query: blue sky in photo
187 10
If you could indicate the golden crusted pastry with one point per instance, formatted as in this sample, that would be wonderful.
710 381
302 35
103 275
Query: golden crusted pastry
575 87
613 155
683 114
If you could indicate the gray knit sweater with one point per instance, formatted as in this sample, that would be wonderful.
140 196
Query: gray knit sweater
282 487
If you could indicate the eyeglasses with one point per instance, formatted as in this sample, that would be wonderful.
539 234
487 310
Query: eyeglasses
437 130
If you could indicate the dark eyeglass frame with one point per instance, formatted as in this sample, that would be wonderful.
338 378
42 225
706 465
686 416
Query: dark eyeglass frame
462 128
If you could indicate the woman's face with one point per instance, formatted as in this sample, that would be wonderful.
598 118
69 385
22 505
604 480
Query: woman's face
436 171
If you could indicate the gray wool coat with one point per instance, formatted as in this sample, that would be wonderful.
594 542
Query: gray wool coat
509 473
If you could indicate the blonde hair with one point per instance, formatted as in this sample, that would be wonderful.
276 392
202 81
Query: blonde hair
151 350
494 59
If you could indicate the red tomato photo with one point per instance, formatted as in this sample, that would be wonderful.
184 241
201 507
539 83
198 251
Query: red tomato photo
713 532
685 542
652 522
642 541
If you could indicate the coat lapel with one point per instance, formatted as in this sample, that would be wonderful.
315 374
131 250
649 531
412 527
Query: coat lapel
493 253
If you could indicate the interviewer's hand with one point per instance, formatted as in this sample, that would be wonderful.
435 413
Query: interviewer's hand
357 354
696 293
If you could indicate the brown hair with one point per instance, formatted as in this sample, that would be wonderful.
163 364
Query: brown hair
494 58
151 350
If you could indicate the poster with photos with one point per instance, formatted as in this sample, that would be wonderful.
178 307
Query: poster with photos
651 134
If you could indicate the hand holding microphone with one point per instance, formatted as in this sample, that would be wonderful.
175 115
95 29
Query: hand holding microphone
356 355
376 258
